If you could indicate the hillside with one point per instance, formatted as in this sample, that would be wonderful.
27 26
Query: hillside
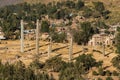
9 2
112 5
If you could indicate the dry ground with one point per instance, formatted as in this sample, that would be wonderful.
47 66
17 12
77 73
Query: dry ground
10 49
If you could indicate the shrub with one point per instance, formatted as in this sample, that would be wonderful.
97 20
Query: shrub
115 62
86 60
36 64
95 73
108 73
101 71
55 64
115 73
99 79
109 78
59 37
45 26
99 64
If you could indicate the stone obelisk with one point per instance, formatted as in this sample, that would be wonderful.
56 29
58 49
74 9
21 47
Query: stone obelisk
50 47
37 37
22 36
70 48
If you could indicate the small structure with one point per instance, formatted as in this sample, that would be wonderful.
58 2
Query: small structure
1 34
98 39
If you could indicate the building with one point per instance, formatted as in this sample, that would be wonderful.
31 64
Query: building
99 39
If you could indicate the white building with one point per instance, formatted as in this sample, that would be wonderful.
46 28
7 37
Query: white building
99 39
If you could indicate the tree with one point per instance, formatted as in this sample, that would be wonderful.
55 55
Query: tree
70 4
59 37
87 12
60 14
44 26
79 4
86 60
117 41
36 64
115 62
55 64
83 35
71 72
52 10
99 6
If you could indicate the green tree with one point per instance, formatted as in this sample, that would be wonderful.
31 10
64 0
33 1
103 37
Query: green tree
87 12
79 4
99 6
117 41
55 64
86 60
84 34
44 26
115 62
59 37
70 4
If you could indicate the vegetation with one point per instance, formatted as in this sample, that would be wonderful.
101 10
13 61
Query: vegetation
84 33
18 71
10 16
109 78
115 62
59 37
55 63
117 40
44 27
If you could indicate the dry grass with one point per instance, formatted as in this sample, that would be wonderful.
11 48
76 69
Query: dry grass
58 49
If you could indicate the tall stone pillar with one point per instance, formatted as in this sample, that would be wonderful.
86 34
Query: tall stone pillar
37 37
103 49
22 36
50 47
71 49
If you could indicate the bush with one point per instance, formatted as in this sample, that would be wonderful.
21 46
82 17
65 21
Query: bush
86 60
108 73
115 62
109 78
101 71
55 64
45 26
95 73
115 73
79 4
99 64
99 79
36 64
99 6
59 37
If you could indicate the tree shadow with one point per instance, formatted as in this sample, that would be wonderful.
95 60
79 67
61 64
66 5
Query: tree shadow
77 52
108 54
106 67
59 48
